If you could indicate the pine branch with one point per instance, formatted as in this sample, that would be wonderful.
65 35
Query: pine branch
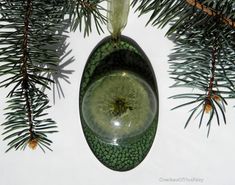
182 12
27 54
83 13
203 58
29 34
211 12
22 131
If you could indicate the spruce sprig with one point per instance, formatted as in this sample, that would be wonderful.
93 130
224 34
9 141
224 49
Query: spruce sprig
26 120
30 31
204 54
27 37
85 13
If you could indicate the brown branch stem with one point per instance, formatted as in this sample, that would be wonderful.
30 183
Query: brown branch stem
212 78
24 67
210 91
211 12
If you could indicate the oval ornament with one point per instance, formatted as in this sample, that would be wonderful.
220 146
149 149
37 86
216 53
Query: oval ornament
119 103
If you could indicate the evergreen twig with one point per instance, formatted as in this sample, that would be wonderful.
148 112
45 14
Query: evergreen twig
29 33
204 54
31 38
211 12
84 13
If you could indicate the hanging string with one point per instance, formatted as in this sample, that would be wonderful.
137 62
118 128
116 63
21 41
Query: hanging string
118 11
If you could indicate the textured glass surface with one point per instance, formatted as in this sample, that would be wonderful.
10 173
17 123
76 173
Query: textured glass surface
119 105
118 11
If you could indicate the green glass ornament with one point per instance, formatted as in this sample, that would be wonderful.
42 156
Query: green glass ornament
119 97
119 103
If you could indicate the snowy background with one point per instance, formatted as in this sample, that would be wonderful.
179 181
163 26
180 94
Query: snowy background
178 156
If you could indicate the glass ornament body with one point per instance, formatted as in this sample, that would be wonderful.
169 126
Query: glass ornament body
118 82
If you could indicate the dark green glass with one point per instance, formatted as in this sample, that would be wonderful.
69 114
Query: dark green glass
119 103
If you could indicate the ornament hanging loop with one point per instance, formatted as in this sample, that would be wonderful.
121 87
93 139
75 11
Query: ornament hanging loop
118 11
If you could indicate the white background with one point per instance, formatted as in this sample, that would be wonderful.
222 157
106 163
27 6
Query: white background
177 153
